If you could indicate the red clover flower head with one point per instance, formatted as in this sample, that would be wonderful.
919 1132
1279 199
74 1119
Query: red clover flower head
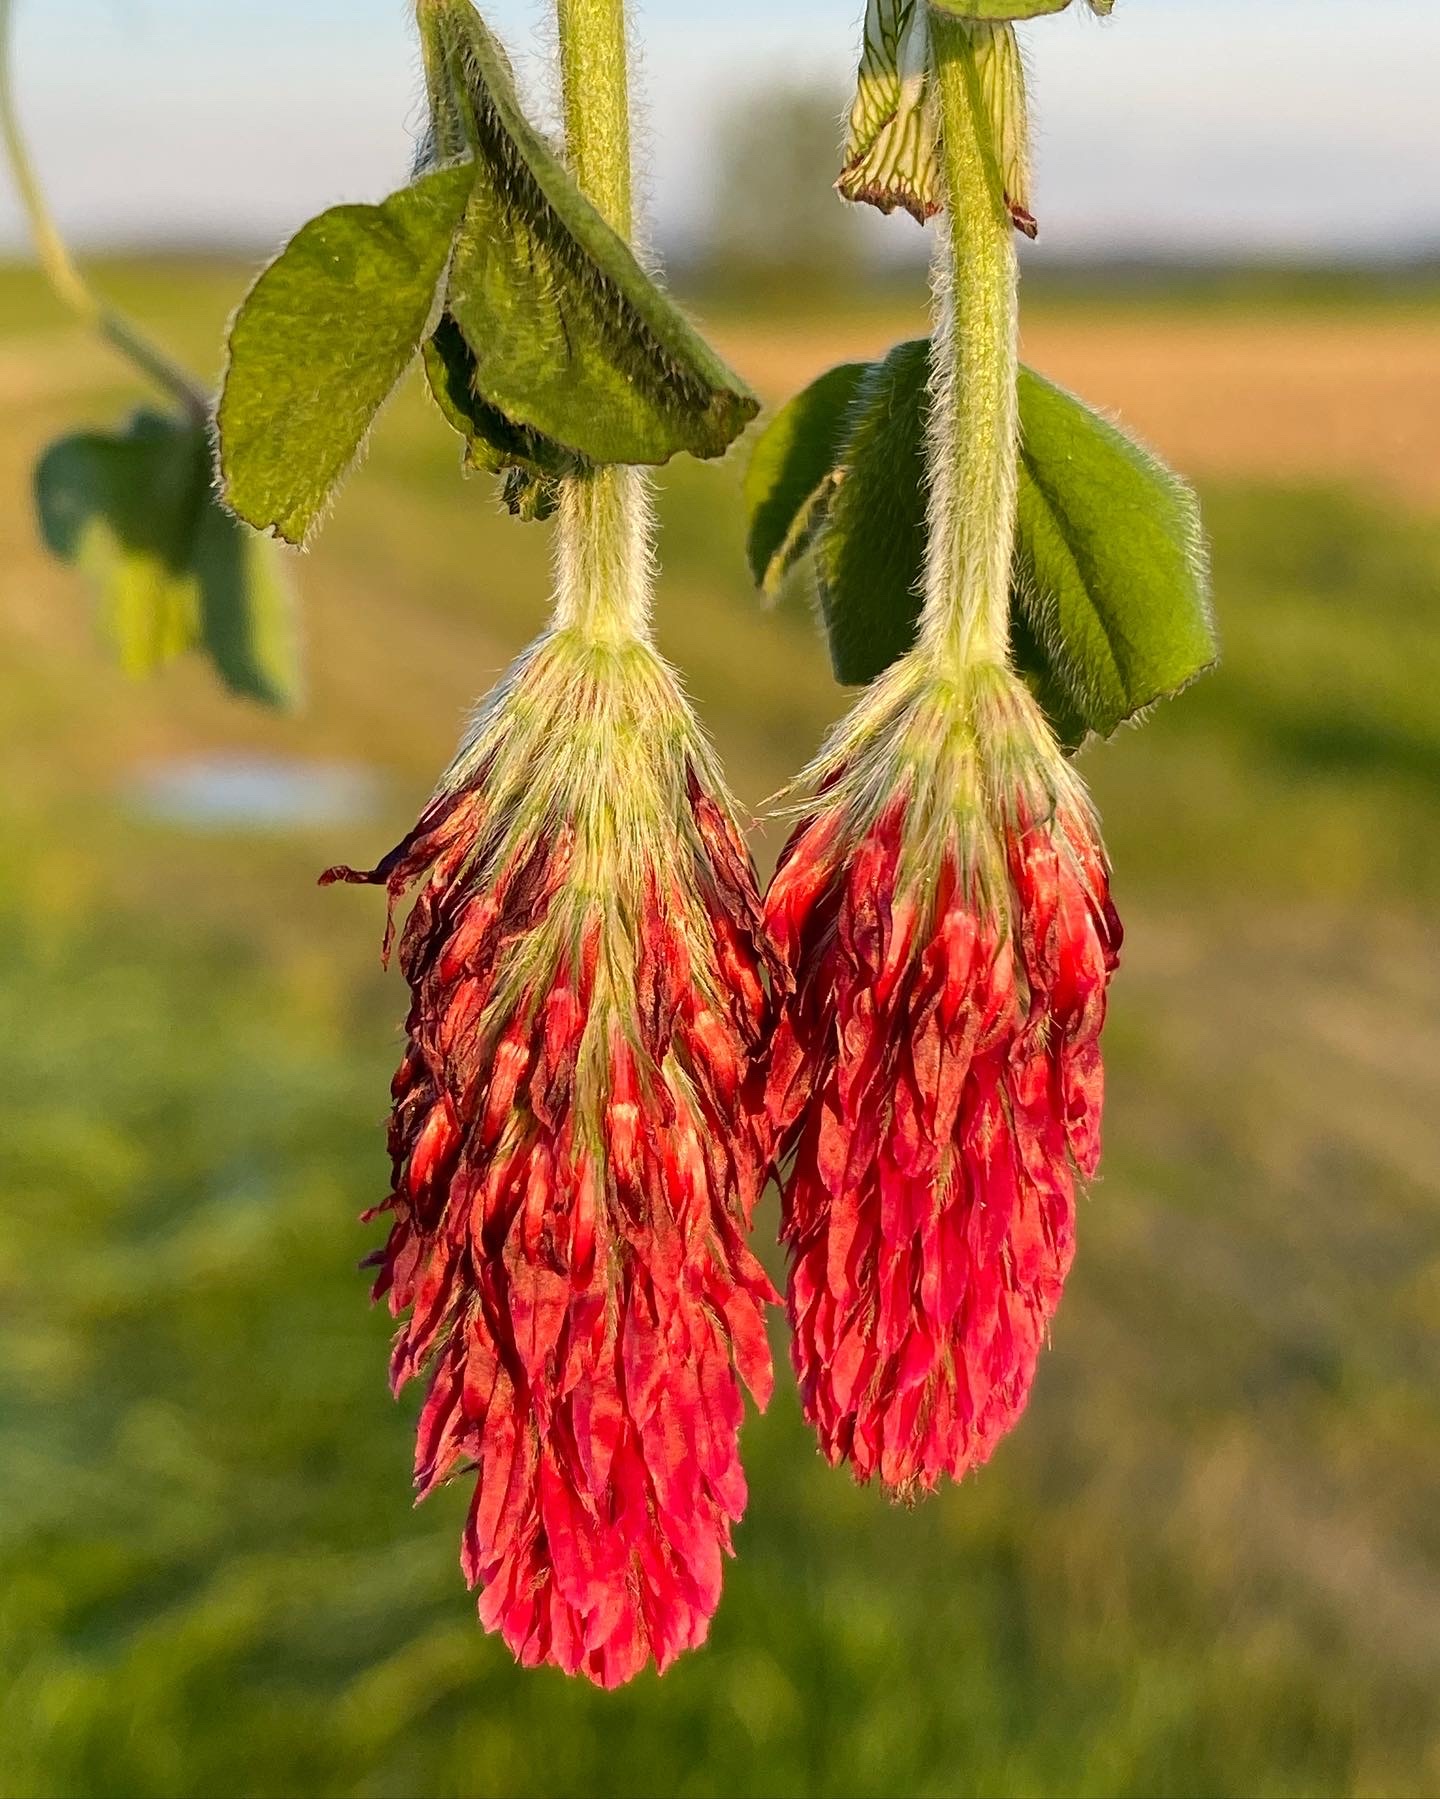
935 1079
578 1143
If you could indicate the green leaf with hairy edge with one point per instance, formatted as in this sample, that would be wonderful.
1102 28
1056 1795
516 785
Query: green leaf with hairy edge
873 533
1110 595
135 512
321 342
1111 560
529 464
571 337
789 479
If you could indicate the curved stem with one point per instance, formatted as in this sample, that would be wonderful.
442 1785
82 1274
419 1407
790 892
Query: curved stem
604 529
58 266
974 418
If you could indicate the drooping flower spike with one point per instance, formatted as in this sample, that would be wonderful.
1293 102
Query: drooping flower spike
577 1148
936 1077
935 1080
578 1133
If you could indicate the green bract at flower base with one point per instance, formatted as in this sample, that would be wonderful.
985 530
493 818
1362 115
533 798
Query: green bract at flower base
892 153
992 12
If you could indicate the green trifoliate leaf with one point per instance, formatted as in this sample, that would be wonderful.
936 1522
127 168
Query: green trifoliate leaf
321 342
1110 593
545 342
135 511
891 154
571 339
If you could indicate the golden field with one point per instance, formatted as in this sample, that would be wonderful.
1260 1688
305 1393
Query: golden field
1209 1560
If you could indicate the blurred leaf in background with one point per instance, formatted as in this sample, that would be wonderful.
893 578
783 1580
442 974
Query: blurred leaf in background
135 511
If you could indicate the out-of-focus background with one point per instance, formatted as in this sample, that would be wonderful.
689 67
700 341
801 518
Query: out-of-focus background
1209 1560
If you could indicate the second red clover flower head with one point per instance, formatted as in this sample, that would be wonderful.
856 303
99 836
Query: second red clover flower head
935 1080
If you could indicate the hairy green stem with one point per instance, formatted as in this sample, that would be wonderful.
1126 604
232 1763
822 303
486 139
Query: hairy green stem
595 78
974 419
604 529
58 266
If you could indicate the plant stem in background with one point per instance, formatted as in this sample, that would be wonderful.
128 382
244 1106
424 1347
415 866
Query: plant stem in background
974 423
59 268
604 528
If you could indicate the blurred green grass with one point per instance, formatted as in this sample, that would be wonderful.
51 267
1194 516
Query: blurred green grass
1209 1561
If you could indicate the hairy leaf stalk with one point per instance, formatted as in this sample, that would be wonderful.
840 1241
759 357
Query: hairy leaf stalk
605 526
58 266
974 420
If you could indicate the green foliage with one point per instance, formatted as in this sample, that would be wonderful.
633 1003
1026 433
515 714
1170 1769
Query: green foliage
792 472
544 340
1110 590
1111 567
571 338
870 550
135 511
529 463
322 340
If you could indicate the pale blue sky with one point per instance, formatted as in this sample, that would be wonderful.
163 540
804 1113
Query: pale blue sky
1293 125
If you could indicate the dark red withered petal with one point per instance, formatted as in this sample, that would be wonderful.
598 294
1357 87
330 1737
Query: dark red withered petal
572 1271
